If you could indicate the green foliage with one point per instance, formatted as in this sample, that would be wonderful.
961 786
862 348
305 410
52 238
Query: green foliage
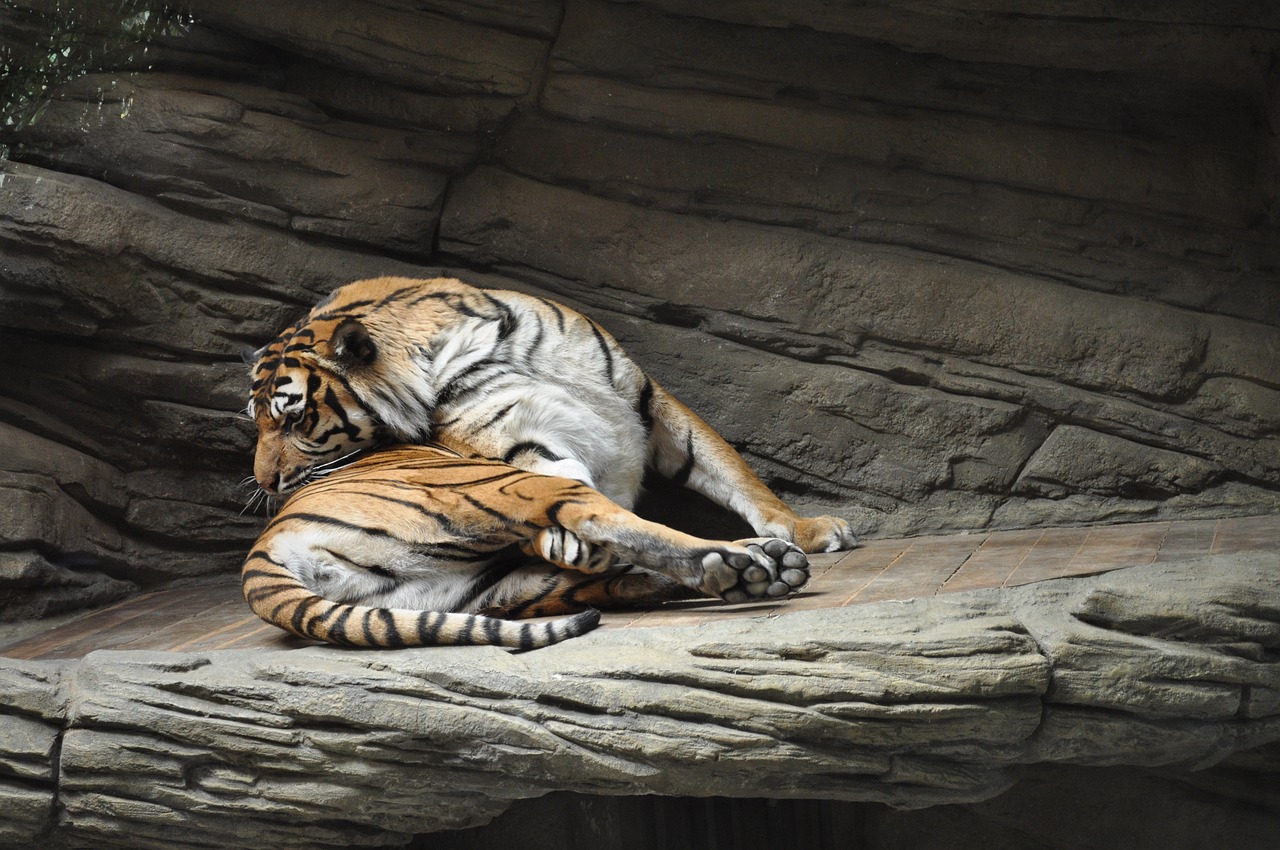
45 44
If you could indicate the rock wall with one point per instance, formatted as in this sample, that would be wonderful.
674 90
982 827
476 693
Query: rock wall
973 264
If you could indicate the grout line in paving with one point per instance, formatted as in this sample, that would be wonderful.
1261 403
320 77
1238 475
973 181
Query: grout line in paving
245 636
1213 545
1083 543
882 571
230 626
1023 559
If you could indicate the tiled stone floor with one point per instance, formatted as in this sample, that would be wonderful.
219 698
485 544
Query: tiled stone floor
216 617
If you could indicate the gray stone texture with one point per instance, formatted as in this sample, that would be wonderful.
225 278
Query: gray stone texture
943 266
932 268
922 703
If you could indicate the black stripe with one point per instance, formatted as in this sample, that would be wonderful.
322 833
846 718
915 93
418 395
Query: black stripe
504 565
492 420
396 295
332 609
686 469
265 592
456 552
453 299
345 311
493 630
389 621
604 347
531 348
531 602
559 311
256 572
460 385
344 425
456 301
429 623
338 631
323 519
507 320
355 396
529 446
507 519
526 636
366 627
300 613
368 479
643 404
464 639
553 512
521 476
274 616
446 522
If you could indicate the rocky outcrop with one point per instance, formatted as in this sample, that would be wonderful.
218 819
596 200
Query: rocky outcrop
941 700
931 269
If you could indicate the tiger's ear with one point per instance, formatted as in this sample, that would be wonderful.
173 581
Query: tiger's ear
250 355
351 344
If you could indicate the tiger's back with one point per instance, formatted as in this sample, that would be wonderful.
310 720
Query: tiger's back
500 375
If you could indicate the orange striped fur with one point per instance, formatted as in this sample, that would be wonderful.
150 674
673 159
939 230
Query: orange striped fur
418 546
498 375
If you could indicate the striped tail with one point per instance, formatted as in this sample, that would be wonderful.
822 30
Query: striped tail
276 595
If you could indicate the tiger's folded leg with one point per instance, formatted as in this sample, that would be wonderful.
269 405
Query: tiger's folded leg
590 533
690 452
541 590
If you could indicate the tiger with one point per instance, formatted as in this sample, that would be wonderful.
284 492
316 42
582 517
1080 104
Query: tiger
417 545
491 374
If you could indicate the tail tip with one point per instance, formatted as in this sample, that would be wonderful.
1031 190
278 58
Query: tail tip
580 624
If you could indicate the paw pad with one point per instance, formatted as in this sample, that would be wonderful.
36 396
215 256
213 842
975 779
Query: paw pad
766 568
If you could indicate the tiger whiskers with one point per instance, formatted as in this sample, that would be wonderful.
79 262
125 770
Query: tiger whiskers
320 470
259 498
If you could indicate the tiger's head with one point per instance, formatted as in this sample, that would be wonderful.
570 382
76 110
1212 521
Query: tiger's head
362 368
306 401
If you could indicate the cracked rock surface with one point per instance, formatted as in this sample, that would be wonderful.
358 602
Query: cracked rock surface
941 700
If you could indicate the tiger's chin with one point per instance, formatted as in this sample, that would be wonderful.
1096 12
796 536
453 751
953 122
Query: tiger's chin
300 477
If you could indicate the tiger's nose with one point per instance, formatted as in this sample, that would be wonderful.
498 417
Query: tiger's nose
268 485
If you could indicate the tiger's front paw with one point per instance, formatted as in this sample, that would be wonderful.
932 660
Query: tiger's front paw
824 534
759 568
566 549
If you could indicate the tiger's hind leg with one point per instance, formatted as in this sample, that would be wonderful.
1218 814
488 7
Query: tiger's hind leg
608 584
585 532
687 450
551 591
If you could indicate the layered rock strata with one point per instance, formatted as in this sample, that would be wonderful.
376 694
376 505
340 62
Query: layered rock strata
939 700
932 269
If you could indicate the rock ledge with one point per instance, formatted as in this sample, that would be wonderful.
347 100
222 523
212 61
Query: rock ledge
910 703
